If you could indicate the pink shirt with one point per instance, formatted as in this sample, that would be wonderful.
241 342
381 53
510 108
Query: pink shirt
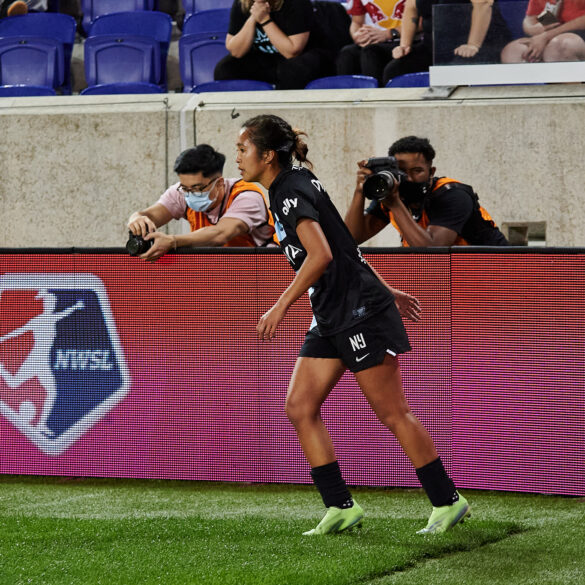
248 206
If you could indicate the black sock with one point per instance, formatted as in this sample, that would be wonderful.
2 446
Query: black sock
331 485
437 484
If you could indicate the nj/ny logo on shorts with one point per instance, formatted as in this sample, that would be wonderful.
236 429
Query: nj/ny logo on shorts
357 342
61 363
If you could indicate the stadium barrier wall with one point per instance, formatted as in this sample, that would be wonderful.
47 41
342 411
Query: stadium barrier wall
75 167
154 370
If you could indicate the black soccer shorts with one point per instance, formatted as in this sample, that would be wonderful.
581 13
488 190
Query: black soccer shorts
364 345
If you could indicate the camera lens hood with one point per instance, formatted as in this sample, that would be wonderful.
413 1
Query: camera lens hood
379 185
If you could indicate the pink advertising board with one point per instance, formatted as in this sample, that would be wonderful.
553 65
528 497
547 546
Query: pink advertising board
114 367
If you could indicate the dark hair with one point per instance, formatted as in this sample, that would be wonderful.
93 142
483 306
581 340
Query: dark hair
275 5
413 144
203 158
268 132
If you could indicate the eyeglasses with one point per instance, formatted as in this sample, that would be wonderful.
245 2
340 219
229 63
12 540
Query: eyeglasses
195 188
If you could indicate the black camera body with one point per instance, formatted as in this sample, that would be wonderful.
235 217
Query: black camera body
137 245
385 175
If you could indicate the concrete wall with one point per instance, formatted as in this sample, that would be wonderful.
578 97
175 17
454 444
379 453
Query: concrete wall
75 167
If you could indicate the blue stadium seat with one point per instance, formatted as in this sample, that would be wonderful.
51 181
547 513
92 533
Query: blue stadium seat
207 20
513 12
56 26
197 60
30 61
192 6
420 79
93 8
343 82
121 58
25 90
154 25
233 85
121 88
212 35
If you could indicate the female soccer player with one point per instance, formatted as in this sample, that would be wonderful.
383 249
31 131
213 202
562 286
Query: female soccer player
356 325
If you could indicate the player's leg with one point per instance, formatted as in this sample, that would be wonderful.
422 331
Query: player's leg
311 382
382 386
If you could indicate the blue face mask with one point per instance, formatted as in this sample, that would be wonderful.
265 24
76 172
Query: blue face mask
200 200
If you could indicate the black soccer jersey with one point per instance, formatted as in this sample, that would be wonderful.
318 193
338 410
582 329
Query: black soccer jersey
348 291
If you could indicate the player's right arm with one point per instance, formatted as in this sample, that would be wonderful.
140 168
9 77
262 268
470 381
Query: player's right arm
362 226
148 220
319 256
407 305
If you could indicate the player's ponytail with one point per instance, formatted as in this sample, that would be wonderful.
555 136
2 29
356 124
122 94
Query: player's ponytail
301 148
269 132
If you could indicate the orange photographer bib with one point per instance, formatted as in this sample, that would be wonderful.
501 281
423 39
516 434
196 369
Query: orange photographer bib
424 219
199 219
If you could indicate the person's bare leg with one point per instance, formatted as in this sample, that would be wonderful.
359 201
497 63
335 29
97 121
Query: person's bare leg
382 387
310 384
565 47
513 52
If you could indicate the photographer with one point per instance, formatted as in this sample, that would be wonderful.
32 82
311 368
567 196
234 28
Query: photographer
426 210
221 212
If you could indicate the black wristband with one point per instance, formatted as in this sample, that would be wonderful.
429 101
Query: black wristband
263 24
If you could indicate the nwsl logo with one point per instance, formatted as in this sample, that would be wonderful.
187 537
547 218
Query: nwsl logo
61 363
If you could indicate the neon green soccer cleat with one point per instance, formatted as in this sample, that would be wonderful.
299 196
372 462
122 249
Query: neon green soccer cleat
445 517
337 520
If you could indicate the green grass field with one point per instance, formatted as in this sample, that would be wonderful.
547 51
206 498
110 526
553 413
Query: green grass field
98 531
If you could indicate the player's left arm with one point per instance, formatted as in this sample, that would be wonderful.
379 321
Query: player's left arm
319 256
407 305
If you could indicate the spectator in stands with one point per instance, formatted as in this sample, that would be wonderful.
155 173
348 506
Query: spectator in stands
412 56
554 32
270 40
426 210
375 30
221 212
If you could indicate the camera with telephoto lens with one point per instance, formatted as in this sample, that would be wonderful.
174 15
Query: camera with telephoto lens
137 245
385 174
